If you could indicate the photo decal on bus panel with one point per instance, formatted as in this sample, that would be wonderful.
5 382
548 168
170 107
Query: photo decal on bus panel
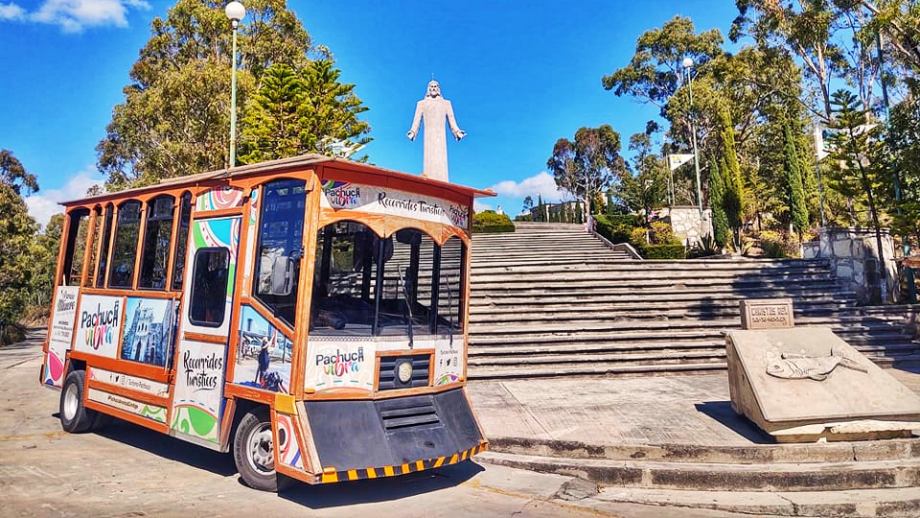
59 340
380 200
263 356
99 325
150 328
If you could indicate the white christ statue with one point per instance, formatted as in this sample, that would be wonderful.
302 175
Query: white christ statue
434 109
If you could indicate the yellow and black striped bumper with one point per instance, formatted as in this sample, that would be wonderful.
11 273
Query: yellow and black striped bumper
331 474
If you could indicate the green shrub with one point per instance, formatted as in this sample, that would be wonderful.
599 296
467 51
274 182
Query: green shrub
491 221
663 252
615 229
523 217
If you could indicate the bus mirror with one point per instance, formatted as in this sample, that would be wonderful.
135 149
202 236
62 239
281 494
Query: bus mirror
278 278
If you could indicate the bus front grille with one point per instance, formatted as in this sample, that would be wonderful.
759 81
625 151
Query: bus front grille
402 416
389 365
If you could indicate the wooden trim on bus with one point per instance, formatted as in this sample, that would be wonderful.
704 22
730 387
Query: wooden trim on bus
127 292
173 238
111 252
122 328
308 450
360 394
126 416
139 246
226 423
119 390
143 370
206 338
58 266
233 336
100 231
305 286
385 226
218 213
253 394
87 246
465 278
407 352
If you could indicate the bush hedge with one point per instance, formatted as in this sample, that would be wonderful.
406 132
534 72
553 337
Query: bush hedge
615 229
491 221
663 251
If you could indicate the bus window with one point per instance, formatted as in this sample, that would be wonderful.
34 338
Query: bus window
125 250
157 234
185 216
346 272
106 236
280 247
407 281
450 286
76 245
209 287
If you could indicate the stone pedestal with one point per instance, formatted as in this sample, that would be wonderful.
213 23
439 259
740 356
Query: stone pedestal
688 224
854 258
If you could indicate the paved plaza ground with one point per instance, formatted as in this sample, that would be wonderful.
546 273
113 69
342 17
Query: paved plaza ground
692 409
129 471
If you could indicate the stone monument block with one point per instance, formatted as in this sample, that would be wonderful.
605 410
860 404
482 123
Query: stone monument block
805 384
766 314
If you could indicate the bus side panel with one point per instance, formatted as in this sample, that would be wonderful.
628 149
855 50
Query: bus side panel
201 363
60 336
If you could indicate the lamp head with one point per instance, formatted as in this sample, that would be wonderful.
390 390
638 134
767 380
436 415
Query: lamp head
235 12
688 62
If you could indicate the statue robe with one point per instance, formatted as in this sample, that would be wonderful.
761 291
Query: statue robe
434 110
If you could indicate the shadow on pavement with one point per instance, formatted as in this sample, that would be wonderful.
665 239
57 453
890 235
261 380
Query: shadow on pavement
381 489
722 412
169 448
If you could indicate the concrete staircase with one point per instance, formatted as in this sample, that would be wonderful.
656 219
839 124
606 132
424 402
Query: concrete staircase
551 300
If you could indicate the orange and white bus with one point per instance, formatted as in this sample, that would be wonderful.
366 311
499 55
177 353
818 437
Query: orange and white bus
309 314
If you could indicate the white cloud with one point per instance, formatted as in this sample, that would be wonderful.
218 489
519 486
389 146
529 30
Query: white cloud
75 15
45 203
11 11
479 206
541 184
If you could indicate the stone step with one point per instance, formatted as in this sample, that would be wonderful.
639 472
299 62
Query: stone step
622 357
584 279
592 313
666 336
830 452
478 310
598 369
875 344
633 297
767 477
843 322
611 270
892 503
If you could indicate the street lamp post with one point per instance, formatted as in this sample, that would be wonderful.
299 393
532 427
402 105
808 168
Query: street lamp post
688 64
235 12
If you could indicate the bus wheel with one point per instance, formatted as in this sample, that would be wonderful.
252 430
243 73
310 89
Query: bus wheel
75 418
253 451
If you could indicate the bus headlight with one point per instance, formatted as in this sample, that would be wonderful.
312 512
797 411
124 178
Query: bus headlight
404 372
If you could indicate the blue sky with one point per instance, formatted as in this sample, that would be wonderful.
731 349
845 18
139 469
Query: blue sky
520 75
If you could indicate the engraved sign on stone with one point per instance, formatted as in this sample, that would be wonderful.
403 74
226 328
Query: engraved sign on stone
766 314
434 110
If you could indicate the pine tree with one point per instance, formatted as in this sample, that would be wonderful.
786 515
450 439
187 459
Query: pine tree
795 189
721 232
733 200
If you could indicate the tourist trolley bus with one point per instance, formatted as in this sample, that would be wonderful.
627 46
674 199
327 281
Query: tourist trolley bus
309 314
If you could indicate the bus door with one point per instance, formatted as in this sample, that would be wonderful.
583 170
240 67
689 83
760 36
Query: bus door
208 302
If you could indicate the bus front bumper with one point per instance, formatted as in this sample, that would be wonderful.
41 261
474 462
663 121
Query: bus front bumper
370 439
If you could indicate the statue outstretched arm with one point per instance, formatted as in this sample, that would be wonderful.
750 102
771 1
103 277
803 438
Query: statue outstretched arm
416 120
458 133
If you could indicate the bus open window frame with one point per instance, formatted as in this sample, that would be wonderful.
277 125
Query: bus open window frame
183 228
105 245
133 258
75 221
196 260
373 278
151 216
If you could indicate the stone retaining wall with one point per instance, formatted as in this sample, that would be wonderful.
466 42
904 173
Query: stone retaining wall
854 259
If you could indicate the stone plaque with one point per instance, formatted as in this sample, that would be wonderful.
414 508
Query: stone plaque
766 314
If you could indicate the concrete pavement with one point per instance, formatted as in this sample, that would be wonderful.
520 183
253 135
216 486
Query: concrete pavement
129 471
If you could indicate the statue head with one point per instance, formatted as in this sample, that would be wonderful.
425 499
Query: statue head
434 89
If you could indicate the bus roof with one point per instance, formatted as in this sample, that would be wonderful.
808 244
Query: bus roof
281 165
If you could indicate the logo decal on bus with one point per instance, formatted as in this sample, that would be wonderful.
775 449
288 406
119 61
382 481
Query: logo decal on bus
102 326
341 364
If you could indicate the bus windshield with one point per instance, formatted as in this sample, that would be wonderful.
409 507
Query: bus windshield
401 285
